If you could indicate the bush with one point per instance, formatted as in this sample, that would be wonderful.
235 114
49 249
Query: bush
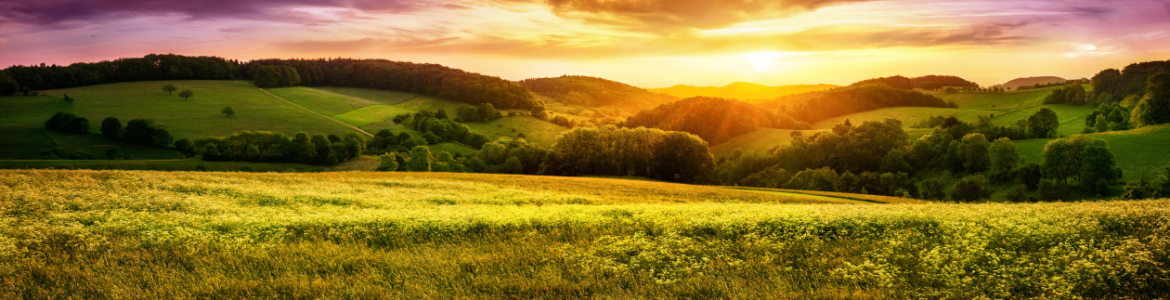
970 189
68 123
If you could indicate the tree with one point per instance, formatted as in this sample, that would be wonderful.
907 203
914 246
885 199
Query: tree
111 128
169 88
387 162
1098 167
1043 123
186 94
970 189
895 162
1056 161
228 111
8 86
1102 123
975 156
420 159
1003 156
1154 108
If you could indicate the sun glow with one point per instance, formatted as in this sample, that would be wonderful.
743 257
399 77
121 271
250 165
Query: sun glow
762 61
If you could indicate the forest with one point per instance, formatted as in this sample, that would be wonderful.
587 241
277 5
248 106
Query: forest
713 119
1131 80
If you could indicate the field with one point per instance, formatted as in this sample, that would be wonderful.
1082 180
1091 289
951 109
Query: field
151 235
762 139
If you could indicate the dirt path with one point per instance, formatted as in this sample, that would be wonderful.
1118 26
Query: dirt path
319 114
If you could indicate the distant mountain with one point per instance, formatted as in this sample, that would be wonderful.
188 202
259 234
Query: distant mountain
741 90
928 82
713 119
1030 81
595 92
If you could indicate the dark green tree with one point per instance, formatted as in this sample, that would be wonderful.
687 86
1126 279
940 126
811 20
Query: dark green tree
1043 123
187 94
111 128
228 111
169 88
970 189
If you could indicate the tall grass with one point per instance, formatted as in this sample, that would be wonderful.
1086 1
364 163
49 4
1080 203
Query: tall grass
150 235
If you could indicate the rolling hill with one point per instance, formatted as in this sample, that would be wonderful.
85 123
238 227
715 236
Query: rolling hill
743 91
713 119
587 91
325 110
1030 81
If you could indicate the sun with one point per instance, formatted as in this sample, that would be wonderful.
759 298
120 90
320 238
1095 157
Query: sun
761 61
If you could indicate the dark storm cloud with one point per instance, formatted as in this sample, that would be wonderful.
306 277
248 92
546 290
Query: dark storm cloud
44 12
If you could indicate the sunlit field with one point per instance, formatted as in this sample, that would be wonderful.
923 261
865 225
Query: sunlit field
150 235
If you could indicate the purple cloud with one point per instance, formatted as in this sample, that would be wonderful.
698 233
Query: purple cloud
47 12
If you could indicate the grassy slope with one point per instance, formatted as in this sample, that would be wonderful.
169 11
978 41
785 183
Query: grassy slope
166 235
762 139
372 110
200 116
1139 152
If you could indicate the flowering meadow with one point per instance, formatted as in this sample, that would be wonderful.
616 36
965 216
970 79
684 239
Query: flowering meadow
361 235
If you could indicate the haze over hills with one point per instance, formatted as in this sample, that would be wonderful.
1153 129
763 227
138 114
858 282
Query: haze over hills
744 91
1030 81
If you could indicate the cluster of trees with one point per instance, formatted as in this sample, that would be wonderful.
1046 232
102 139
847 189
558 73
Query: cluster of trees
1084 159
149 67
1109 116
428 79
68 123
609 150
484 112
503 156
1073 94
1131 80
263 146
876 158
138 131
713 119
1159 187
994 89
817 106
929 82
595 92
438 127
274 76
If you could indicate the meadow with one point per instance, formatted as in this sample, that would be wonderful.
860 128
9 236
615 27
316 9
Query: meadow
149 235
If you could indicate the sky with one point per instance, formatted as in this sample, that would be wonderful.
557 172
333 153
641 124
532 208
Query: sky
646 43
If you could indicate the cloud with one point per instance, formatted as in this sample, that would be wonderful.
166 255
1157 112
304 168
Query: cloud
46 12
827 38
672 15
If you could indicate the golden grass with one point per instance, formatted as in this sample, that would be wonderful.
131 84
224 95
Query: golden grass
361 235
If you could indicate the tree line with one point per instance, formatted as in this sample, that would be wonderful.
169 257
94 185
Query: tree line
264 146
149 67
427 79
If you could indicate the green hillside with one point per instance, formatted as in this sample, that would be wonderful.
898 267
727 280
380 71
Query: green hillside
1139 152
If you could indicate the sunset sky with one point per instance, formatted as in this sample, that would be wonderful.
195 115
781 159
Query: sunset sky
647 43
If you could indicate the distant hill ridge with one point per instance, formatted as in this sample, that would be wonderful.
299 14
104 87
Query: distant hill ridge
1030 81
713 119
595 92
745 91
